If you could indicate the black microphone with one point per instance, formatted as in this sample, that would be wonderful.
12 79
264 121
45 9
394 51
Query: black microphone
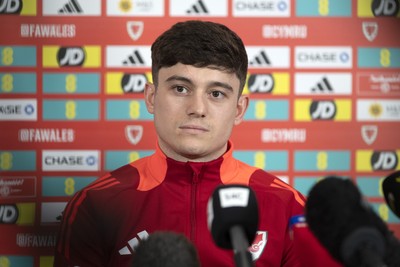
233 220
348 227
391 191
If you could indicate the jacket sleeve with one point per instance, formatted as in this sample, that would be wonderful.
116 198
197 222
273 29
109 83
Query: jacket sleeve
79 241
309 250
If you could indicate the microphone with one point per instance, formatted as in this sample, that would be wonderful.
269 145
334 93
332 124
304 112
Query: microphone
233 220
348 227
391 191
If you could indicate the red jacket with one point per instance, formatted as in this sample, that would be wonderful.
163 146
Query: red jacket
103 222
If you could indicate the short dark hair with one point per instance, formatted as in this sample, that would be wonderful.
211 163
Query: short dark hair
200 44
165 249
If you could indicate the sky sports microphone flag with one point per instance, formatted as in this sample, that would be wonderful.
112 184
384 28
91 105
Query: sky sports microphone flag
348 227
391 191
233 220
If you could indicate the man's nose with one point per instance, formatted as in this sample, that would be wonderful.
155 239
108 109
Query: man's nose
197 105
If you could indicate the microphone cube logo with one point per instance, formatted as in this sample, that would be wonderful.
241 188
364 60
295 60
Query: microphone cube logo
234 197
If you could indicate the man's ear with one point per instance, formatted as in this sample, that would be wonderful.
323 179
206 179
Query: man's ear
149 94
242 106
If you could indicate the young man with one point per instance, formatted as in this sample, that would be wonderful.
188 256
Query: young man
199 70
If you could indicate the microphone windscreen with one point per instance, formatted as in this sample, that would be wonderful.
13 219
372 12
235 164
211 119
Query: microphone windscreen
335 209
228 206
391 191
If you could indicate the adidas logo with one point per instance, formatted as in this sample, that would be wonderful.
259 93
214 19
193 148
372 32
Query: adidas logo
260 59
133 243
71 7
323 86
198 8
134 59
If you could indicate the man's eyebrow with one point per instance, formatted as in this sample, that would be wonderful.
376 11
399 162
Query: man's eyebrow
179 78
189 81
223 85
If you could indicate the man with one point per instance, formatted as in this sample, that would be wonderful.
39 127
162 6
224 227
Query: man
199 70
160 249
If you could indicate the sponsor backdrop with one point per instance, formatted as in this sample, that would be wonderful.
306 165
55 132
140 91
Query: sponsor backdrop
324 81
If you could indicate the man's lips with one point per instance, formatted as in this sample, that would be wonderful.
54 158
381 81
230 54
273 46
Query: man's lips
194 128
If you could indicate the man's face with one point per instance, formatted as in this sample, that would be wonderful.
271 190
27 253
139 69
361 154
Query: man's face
194 111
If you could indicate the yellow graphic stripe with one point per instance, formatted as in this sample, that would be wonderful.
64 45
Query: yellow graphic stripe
28 8
26 214
302 110
92 56
363 160
343 112
46 261
364 8
281 83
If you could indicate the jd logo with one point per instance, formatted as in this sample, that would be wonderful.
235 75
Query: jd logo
261 83
385 8
10 6
322 110
384 160
71 56
8 214
133 83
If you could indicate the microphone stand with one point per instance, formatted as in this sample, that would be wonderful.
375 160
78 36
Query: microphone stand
240 246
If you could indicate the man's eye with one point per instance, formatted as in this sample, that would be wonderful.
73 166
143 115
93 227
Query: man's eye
180 89
217 94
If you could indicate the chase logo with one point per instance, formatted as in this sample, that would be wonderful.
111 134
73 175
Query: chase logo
18 110
70 160
323 57
199 8
377 160
268 83
126 83
261 8
86 56
313 110
18 7
268 56
19 214
378 8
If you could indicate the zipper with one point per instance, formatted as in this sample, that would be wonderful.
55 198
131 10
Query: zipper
195 181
